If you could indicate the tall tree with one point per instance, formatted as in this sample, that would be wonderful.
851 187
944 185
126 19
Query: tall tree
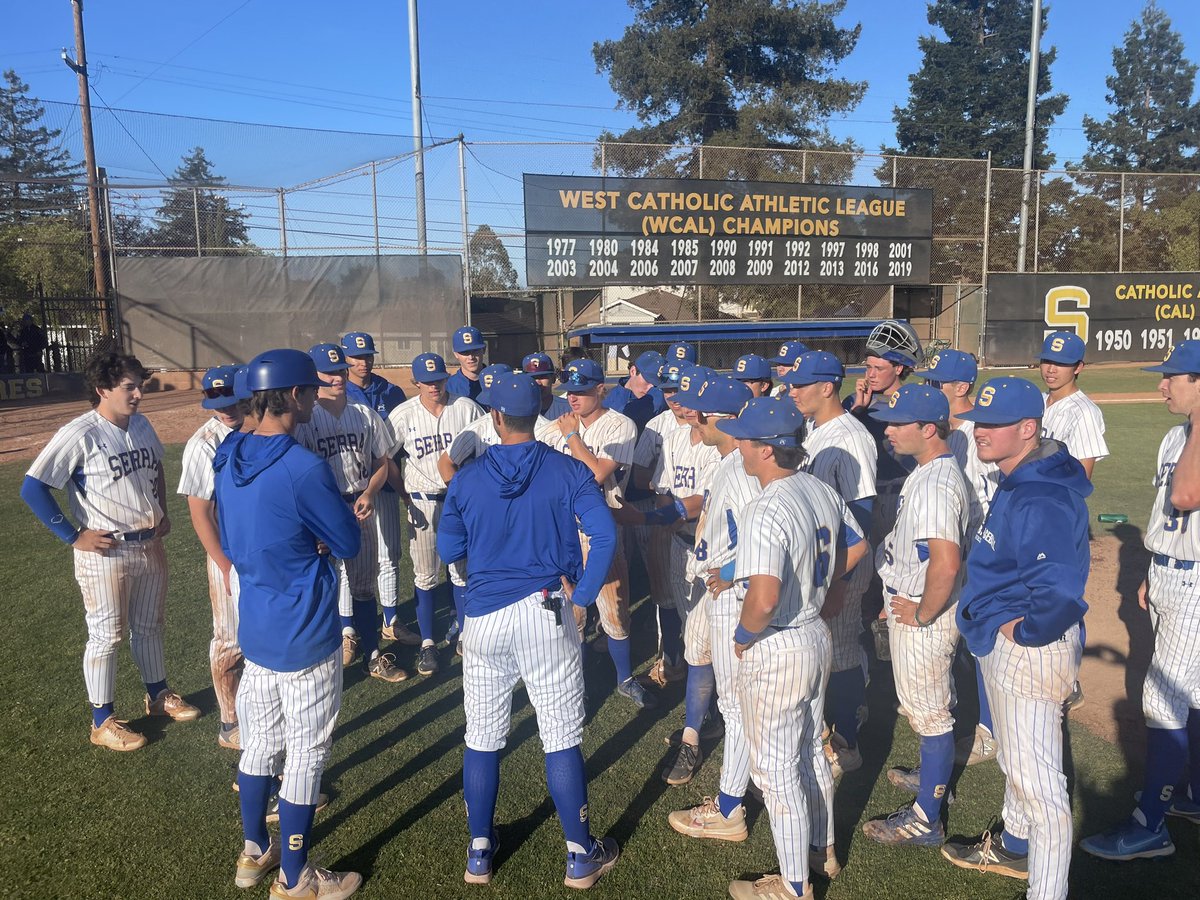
969 95
195 218
754 73
1154 126
491 267
30 158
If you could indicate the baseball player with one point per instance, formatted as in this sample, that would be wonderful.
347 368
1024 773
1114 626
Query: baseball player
196 483
920 564
841 453
425 426
540 368
1072 418
639 398
603 440
953 372
365 387
512 515
472 441
679 353
1171 698
798 538
469 348
355 442
1019 614
276 503
784 362
754 372
110 462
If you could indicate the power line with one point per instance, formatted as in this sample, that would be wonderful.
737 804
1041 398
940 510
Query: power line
117 119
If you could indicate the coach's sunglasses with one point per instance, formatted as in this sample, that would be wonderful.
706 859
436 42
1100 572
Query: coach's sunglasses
213 393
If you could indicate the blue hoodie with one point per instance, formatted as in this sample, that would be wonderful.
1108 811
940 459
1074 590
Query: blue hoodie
512 513
275 500
379 394
1030 557
641 409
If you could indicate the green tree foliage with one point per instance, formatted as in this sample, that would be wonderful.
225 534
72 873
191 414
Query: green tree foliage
222 228
969 96
35 169
491 268
47 256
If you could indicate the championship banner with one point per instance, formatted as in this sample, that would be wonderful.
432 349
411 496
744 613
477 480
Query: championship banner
591 231
1126 317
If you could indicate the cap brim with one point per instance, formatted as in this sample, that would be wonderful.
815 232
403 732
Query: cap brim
431 377
1164 369
219 402
986 417
884 414
1059 361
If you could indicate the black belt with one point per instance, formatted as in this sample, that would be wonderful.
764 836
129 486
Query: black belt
146 534
435 497
351 496
1170 562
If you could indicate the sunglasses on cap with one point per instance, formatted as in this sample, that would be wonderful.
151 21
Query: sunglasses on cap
213 393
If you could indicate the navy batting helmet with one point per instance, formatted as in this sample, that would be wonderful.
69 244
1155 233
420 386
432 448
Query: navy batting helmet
283 368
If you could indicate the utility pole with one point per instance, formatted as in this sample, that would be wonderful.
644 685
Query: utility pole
414 52
79 67
1035 46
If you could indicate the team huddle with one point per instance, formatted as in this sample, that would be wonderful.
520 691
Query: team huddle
785 532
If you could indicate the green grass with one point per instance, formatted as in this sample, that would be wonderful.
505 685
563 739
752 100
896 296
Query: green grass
163 822
1100 379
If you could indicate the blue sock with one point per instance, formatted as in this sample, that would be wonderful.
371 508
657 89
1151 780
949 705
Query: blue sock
701 683
1193 730
389 615
366 626
566 779
1166 757
424 613
619 651
985 709
459 593
481 785
672 634
347 623
1016 845
937 762
727 803
254 793
846 692
798 887
100 713
155 689
295 826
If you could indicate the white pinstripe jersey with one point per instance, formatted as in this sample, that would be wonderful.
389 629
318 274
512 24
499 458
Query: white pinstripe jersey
110 473
197 477
611 436
685 469
935 504
843 454
790 530
473 440
350 443
982 477
1171 532
1076 421
717 531
650 441
424 437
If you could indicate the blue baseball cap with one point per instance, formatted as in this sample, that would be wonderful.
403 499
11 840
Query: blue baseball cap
815 366
428 368
913 403
772 421
582 375
751 367
681 351
512 393
489 375
537 364
1005 400
1184 359
1063 347
358 343
691 380
468 338
240 391
284 368
951 365
789 352
669 376
218 387
649 364
719 394
328 358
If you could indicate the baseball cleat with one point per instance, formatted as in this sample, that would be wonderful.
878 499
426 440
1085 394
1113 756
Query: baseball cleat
663 673
458 648
976 748
910 780
585 869
825 862
349 648
384 668
905 827
479 862
772 887
1182 806
427 661
273 806
706 821
398 633
1129 840
631 689
169 703
452 632
231 739
686 764
253 869
318 884
987 854
842 758
116 735
1074 699
712 729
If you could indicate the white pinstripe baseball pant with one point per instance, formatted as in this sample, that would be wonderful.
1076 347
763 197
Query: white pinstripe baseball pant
357 577
1026 687
389 536
224 651
921 663
422 546
724 611
1173 679
846 627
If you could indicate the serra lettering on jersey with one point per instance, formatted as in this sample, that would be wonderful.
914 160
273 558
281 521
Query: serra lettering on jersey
129 461
423 445
335 444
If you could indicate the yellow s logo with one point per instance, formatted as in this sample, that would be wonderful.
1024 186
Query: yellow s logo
430 365
295 842
1057 344
218 382
796 365
986 396
334 356
700 393
684 382
741 365
680 353
893 400
1068 319
783 349
937 359
468 338
360 342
